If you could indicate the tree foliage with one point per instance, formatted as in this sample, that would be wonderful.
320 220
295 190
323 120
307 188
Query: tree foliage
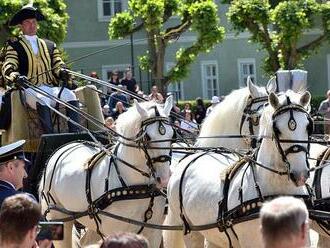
197 16
53 28
279 26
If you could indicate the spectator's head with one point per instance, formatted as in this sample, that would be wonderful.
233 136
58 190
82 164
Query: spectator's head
128 74
12 164
284 223
94 75
187 106
114 76
125 240
188 115
154 89
215 100
199 101
120 107
328 94
109 122
19 217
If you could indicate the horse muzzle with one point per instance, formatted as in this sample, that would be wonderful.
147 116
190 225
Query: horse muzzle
299 178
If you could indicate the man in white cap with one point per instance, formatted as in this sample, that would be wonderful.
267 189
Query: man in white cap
214 102
324 109
29 58
12 169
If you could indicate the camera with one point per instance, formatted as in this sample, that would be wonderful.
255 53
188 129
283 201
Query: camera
50 230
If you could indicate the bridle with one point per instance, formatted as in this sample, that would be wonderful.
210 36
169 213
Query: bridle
292 124
142 139
252 116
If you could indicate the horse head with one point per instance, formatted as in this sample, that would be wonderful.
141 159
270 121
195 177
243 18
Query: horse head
252 112
289 122
157 133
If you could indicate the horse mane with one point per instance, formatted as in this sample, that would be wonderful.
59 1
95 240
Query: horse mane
128 123
230 109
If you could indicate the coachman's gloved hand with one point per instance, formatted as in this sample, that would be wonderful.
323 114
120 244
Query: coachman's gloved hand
64 74
21 81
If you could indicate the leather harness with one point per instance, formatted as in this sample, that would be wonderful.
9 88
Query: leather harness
125 192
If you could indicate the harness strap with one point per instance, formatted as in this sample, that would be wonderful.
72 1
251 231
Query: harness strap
182 216
148 213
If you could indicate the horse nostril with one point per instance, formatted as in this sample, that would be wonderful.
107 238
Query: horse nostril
158 179
292 177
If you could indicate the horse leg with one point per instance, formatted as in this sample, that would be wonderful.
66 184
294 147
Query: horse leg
172 238
67 241
194 240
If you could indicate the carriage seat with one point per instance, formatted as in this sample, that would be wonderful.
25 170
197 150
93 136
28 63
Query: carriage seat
25 121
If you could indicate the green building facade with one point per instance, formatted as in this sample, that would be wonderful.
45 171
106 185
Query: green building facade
218 72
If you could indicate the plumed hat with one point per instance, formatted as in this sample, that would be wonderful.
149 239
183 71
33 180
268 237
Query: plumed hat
27 12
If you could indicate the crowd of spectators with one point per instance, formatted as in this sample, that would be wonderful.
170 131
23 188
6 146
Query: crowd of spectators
119 98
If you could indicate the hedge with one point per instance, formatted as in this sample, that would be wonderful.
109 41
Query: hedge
315 103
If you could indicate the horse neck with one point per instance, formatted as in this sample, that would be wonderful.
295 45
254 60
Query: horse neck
270 182
135 157
217 123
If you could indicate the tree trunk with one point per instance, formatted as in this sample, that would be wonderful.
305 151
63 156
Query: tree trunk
157 55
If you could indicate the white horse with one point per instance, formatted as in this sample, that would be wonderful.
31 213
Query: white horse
237 114
126 165
199 177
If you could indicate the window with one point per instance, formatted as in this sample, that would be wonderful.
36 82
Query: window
108 8
176 88
246 67
210 79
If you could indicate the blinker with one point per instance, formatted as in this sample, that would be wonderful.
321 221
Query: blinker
161 129
292 125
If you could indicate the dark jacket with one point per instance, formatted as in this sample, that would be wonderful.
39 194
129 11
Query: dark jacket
6 190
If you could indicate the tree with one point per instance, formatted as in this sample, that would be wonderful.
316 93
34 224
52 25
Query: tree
279 26
198 16
53 28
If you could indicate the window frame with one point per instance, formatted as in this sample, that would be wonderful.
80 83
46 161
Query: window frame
205 89
103 18
241 61
168 66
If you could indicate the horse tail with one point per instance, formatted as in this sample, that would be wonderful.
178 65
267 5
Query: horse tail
172 238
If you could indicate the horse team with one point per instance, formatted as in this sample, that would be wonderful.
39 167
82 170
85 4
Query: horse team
221 186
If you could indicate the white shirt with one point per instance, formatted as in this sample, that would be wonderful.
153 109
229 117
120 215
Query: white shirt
33 41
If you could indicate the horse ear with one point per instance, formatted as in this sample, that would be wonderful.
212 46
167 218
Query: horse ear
273 100
252 88
140 109
271 85
168 105
305 99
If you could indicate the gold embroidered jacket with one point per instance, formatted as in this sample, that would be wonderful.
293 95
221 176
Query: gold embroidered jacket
20 58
